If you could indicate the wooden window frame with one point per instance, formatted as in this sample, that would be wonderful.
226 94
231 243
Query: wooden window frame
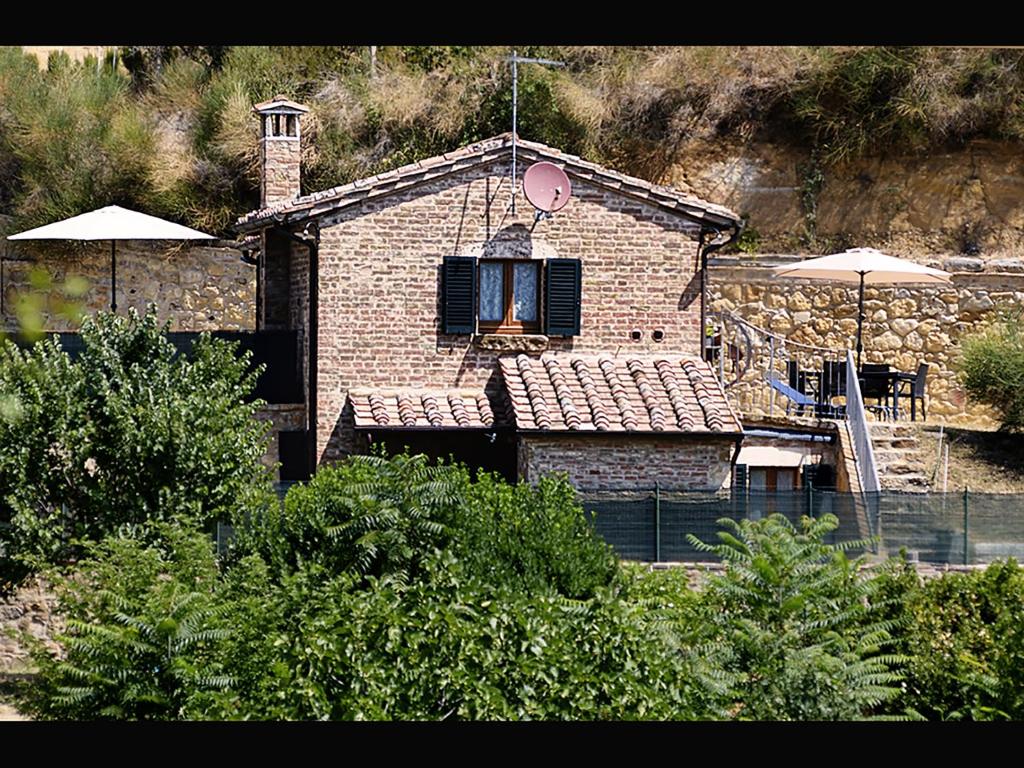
772 477
508 324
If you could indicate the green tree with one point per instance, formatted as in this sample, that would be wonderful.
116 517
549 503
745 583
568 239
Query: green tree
128 431
800 623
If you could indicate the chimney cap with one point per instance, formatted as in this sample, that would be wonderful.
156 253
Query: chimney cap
280 105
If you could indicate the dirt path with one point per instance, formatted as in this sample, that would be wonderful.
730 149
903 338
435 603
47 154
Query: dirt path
8 713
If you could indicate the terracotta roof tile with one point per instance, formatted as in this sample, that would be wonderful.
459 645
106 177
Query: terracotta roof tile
668 393
419 409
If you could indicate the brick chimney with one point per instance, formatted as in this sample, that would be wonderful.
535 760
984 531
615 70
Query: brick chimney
279 149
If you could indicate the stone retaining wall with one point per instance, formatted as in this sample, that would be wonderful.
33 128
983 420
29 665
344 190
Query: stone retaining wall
31 609
904 326
196 288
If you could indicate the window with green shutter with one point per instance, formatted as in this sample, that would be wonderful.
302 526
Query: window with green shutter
458 294
510 296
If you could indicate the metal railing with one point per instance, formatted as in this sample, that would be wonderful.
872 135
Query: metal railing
863 450
961 528
746 356
857 418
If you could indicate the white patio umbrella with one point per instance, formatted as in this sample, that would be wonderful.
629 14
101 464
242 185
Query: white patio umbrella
112 223
864 266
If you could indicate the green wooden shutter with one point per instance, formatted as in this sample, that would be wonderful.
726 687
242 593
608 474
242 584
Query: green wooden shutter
562 278
458 294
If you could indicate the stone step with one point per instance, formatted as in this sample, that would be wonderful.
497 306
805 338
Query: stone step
887 457
881 429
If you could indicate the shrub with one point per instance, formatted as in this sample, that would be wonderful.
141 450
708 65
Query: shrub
532 538
962 634
801 626
142 628
377 516
367 515
992 369
446 646
129 431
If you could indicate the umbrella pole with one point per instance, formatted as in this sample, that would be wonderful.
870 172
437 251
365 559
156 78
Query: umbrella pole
860 319
114 276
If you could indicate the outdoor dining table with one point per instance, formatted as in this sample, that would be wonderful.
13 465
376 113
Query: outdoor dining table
892 380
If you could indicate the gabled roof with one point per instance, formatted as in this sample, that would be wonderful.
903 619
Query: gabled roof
666 393
481 153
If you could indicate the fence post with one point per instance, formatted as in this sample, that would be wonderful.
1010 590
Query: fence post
965 526
657 522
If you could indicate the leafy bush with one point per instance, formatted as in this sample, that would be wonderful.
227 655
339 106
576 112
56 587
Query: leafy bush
367 515
801 625
963 635
129 431
142 629
446 646
992 369
532 538
378 516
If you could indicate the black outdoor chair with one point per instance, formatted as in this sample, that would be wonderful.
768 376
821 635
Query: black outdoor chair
833 380
876 388
916 391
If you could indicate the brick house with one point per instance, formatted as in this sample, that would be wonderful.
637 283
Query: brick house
435 314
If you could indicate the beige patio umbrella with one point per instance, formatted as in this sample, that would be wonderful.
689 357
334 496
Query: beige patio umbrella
112 223
865 266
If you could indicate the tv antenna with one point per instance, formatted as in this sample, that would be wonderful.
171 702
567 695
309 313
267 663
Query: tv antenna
516 59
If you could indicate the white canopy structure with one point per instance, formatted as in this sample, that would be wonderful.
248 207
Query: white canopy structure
865 266
112 223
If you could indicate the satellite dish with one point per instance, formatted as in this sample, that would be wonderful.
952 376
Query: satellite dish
546 187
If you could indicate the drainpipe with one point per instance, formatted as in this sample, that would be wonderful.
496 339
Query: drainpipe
311 239
704 247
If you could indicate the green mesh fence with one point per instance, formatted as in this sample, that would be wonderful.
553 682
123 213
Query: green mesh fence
953 528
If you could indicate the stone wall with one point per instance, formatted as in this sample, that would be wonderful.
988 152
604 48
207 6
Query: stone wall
31 609
904 326
380 265
628 462
196 288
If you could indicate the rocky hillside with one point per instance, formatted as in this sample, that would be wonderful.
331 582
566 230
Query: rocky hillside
962 208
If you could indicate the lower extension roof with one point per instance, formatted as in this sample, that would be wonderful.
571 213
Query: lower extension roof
669 393
422 409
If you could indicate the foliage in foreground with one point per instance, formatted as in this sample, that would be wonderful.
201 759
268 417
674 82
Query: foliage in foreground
435 622
800 623
992 369
142 623
963 637
449 614
129 431
376 516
